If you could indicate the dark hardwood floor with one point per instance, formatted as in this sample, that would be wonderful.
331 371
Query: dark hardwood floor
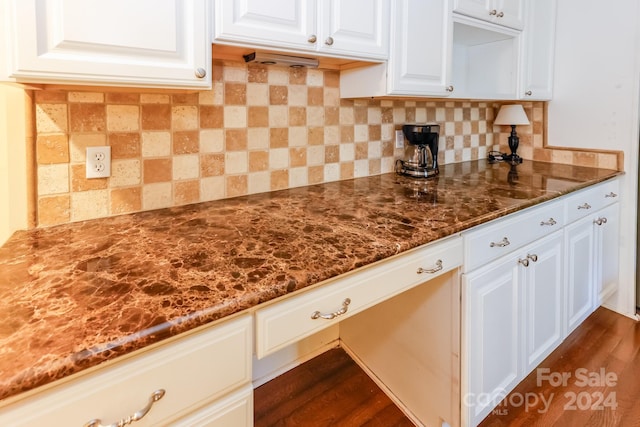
329 390
600 361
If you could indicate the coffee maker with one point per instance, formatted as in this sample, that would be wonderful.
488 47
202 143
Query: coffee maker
421 153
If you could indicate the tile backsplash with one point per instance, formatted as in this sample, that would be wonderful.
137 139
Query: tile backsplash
259 129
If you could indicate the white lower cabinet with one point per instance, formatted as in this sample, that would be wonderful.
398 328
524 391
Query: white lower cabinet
513 310
174 381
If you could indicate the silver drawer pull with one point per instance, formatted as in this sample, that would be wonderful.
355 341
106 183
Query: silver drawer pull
329 316
612 194
600 221
550 222
524 262
433 270
585 206
136 416
533 257
501 244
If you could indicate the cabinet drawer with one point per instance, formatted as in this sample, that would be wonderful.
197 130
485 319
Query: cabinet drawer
193 371
291 319
589 200
489 242
234 410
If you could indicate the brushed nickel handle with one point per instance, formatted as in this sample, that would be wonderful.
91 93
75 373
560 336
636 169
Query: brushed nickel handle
329 41
501 244
585 206
449 88
201 73
312 38
550 222
329 316
433 270
533 257
600 221
493 12
136 416
528 93
500 15
612 194
524 262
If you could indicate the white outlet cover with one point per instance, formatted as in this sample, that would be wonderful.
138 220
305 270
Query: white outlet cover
399 139
98 162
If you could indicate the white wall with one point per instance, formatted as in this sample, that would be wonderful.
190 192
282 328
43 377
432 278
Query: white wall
595 102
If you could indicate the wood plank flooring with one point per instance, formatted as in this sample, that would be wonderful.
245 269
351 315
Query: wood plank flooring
331 390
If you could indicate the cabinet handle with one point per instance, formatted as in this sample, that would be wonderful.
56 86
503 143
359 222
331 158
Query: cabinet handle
493 12
524 262
312 38
136 416
433 270
501 244
201 73
612 194
600 221
500 15
329 316
449 88
550 222
533 257
528 93
329 41
585 206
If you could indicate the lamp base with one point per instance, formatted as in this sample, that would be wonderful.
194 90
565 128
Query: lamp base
513 158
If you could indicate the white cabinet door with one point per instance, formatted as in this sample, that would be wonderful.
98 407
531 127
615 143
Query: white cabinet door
492 336
276 23
543 290
508 13
538 51
579 247
355 28
420 62
607 247
359 26
117 42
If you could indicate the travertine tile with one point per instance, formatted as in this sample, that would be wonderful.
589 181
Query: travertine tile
212 188
184 117
259 182
125 145
53 179
89 204
52 148
51 118
186 192
87 117
186 142
236 162
78 143
212 165
156 116
237 185
298 176
79 182
279 179
123 118
125 200
125 173
95 97
186 166
157 170
157 195
53 210
211 141
156 144
235 117
259 160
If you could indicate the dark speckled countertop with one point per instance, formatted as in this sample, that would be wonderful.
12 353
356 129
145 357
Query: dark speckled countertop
75 295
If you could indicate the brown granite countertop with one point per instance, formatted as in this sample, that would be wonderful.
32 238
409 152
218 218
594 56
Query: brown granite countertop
75 295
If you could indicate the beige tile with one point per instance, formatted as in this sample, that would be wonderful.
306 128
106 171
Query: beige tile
347 152
207 97
79 182
298 176
298 136
51 118
156 144
186 166
235 117
332 172
125 200
184 117
54 210
278 116
123 118
154 98
79 142
257 138
297 96
279 158
53 179
212 141
259 182
315 155
361 133
157 196
278 76
315 77
315 116
331 97
236 162
257 94
125 173
234 72
52 148
89 205
212 188
361 168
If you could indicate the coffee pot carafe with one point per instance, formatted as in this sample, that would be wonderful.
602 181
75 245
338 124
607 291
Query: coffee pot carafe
421 153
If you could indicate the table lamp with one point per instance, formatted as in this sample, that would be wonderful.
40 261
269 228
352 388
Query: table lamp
512 115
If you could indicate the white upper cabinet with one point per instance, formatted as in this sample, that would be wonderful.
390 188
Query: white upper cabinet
420 58
538 51
157 43
509 13
356 29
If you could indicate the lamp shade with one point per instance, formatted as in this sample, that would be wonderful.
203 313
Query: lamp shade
511 115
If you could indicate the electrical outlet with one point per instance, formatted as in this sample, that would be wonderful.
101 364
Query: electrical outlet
399 139
98 162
